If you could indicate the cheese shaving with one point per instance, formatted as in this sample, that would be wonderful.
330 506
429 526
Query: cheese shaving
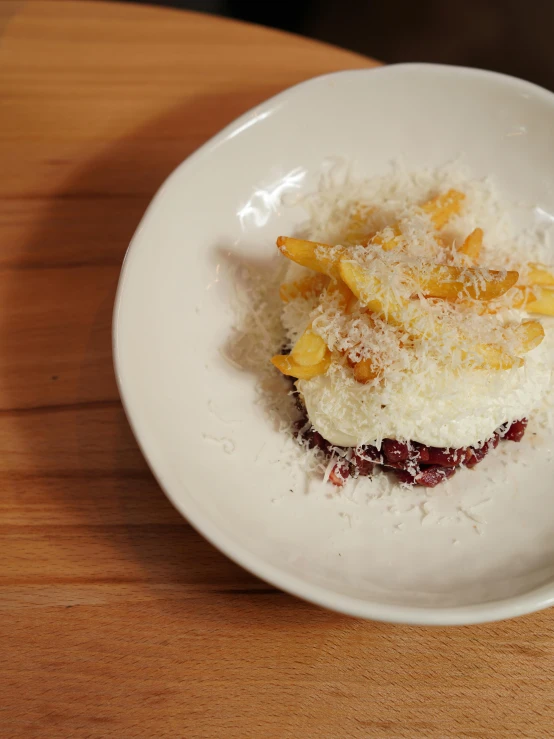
434 382
347 211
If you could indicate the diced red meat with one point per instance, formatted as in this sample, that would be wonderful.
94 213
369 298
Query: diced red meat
420 452
516 430
318 441
314 439
412 463
432 475
477 455
395 451
360 465
406 464
446 457
370 452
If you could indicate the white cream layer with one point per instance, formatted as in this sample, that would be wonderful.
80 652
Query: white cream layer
450 410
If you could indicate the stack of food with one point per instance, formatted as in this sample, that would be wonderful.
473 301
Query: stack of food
409 352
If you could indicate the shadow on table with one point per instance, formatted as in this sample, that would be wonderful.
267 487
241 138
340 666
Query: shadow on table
114 492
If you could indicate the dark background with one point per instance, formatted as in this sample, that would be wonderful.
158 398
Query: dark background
511 36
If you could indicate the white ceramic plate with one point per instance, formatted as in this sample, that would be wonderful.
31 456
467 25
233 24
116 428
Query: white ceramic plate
469 556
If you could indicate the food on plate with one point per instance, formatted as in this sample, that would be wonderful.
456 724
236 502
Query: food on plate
409 341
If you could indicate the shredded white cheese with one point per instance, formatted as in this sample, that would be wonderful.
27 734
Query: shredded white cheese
433 385
343 211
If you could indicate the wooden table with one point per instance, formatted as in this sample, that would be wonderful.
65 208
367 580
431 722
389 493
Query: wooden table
118 619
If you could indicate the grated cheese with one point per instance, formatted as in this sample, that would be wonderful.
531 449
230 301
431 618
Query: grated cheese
437 389
264 324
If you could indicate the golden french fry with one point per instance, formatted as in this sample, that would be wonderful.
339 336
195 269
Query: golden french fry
529 334
310 349
346 298
490 356
384 303
369 291
307 286
435 281
286 364
392 237
439 209
542 303
443 207
480 308
539 274
365 370
517 297
472 245
319 257
453 283
389 238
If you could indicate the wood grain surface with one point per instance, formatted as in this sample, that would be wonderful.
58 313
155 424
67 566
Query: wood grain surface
118 619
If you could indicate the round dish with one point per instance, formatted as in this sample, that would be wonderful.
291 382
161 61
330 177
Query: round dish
195 416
